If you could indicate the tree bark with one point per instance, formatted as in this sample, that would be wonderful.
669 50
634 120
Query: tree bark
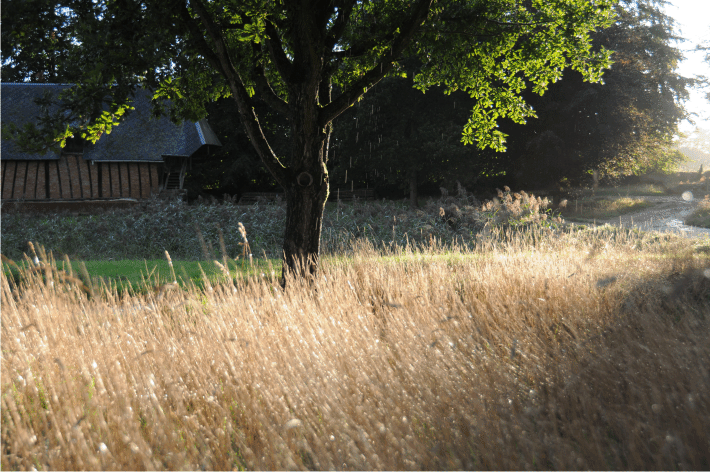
413 189
307 184
304 221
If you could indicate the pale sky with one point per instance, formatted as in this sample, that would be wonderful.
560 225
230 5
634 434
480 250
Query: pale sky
693 23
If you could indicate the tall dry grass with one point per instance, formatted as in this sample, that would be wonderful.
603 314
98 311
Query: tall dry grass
564 352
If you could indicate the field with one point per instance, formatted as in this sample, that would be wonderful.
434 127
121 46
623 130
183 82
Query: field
530 344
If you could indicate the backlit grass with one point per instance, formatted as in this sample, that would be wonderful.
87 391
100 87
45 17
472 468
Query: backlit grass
602 208
701 215
635 190
538 348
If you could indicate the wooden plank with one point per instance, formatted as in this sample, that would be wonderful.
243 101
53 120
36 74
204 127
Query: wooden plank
54 184
42 180
114 190
18 190
124 179
134 184
107 182
74 176
94 178
31 180
65 184
154 179
145 180
8 180
82 166
108 179
3 168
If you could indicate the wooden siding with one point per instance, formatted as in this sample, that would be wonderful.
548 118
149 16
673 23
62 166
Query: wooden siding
134 180
123 179
145 181
94 179
65 182
53 177
31 181
8 179
154 178
73 178
20 176
42 183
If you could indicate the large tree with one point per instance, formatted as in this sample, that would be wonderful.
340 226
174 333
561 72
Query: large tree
309 60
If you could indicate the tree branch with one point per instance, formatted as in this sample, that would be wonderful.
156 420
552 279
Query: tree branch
267 93
278 56
199 38
386 63
362 48
513 23
339 25
246 113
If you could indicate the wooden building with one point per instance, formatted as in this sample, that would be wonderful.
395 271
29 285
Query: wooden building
141 157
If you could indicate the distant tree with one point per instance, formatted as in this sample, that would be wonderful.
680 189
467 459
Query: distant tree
311 60
624 126
705 46
38 44
696 147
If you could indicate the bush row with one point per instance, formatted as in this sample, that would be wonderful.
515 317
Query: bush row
200 231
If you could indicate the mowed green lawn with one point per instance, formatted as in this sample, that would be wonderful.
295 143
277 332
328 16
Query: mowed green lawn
144 275
141 276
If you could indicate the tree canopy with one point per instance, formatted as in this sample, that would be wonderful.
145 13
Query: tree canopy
625 125
309 61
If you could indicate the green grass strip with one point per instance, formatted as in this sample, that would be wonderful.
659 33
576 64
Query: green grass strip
144 275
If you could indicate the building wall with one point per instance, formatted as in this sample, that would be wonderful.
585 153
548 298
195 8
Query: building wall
73 178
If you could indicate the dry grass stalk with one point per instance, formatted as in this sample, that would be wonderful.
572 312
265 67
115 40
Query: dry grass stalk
203 245
511 357
246 250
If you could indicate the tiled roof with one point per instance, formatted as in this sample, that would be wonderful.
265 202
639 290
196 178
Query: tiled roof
18 107
141 137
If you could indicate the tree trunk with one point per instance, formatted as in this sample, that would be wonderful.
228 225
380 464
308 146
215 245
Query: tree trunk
413 189
306 188
305 202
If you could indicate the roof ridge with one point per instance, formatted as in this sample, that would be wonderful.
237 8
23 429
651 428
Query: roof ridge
199 133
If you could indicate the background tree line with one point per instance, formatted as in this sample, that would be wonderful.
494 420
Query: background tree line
397 139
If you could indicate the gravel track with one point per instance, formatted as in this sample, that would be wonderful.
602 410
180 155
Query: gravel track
667 215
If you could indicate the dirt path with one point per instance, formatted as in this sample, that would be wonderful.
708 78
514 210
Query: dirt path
667 214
